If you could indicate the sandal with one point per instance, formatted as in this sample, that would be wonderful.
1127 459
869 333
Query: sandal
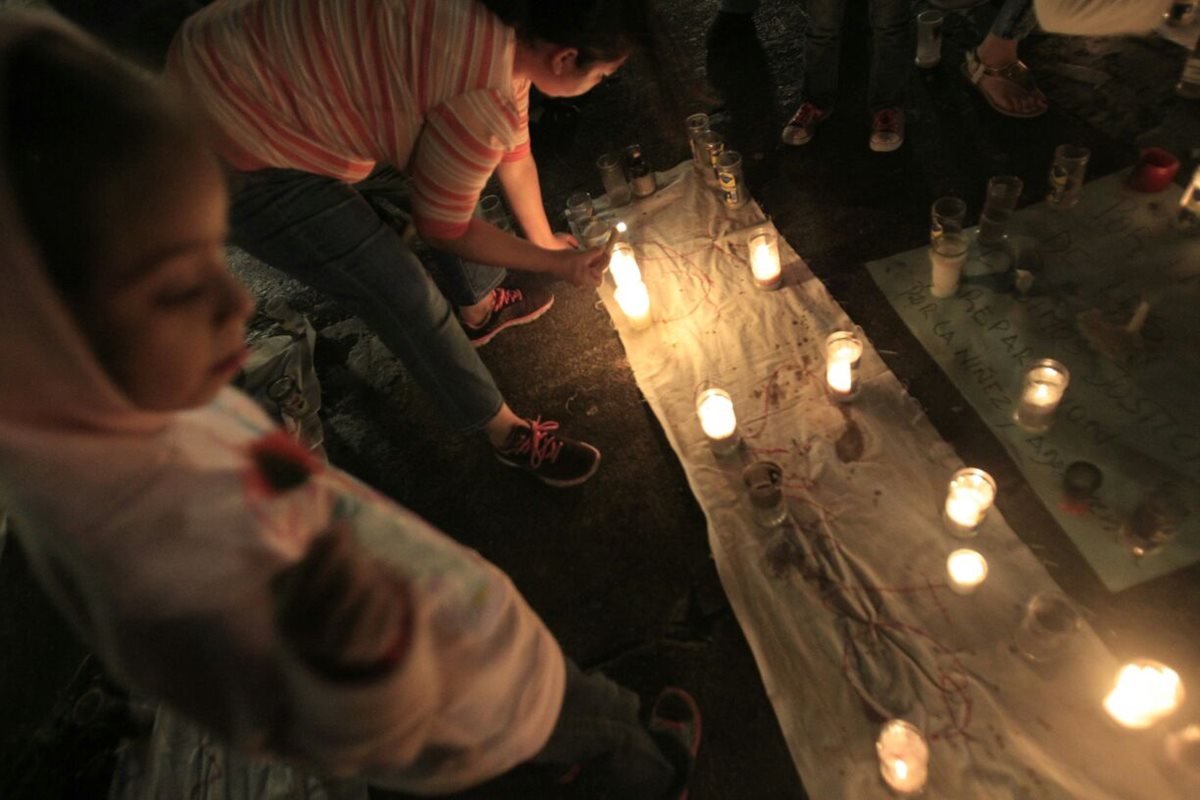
1014 72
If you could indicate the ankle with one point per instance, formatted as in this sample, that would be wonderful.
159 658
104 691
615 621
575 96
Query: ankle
476 315
996 52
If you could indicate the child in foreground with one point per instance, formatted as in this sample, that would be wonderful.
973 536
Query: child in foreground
279 604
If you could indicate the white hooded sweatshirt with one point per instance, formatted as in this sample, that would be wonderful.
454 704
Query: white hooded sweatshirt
157 538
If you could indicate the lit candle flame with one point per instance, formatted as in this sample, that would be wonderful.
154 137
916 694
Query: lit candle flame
1144 694
764 264
840 376
901 768
717 417
624 267
967 569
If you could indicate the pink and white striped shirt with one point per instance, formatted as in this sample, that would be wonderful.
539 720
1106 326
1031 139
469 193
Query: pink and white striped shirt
333 88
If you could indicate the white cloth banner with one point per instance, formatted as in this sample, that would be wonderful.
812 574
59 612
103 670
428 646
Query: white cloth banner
846 606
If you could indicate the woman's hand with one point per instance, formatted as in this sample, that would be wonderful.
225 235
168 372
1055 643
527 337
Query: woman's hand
582 267
340 610
558 241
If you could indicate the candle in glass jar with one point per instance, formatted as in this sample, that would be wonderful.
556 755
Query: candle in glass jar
634 300
717 419
623 265
1145 692
842 353
764 260
903 757
1044 384
967 569
971 493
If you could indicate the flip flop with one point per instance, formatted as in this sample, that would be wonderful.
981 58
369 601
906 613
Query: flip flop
1014 72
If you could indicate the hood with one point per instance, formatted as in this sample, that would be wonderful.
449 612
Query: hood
49 377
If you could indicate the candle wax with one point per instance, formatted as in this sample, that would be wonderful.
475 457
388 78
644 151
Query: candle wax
624 268
764 264
967 569
634 301
840 376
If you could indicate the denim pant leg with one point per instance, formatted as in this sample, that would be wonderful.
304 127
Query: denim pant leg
323 233
464 282
598 728
891 51
822 50
1016 20
739 6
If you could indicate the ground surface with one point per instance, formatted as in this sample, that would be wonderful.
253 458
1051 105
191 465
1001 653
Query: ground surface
620 568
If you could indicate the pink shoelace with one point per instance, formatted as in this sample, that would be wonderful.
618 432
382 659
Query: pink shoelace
541 444
888 121
806 115
504 298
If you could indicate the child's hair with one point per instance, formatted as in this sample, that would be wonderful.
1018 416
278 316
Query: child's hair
77 119
601 30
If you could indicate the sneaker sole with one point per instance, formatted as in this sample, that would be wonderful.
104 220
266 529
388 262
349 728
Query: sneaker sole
512 323
557 484
886 147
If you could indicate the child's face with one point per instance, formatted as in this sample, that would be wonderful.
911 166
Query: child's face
165 316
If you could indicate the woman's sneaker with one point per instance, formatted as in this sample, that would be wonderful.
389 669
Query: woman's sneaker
510 307
887 130
803 124
555 460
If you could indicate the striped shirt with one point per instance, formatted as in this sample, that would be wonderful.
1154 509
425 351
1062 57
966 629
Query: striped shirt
332 87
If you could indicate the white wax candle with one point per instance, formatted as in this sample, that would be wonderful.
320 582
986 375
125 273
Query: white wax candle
717 419
1146 691
839 376
903 757
947 268
971 494
967 569
764 261
623 266
1045 383
842 352
634 300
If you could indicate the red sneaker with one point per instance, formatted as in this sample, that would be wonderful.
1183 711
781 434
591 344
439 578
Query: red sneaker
803 124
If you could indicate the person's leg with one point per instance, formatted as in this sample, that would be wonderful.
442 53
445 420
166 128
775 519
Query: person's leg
739 6
473 288
995 68
891 50
323 232
822 49
598 730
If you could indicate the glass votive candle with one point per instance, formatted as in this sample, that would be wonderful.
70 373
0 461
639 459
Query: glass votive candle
612 175
1145 692
709 146
623 266
731 182
697 124
929 38
1048 629
947 257
972 492
491 209
966 570
1041 391
764 260
999 204
714 407
764 483
1066 175
903 757
947 212
634 300
843 352
595 233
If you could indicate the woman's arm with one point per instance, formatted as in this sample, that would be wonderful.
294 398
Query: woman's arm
520 182
487 244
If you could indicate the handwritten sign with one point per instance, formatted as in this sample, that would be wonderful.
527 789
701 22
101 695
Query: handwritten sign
1133 404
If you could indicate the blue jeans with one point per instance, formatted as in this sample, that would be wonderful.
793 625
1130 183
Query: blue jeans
598 729
335 237
1016 20
891 24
